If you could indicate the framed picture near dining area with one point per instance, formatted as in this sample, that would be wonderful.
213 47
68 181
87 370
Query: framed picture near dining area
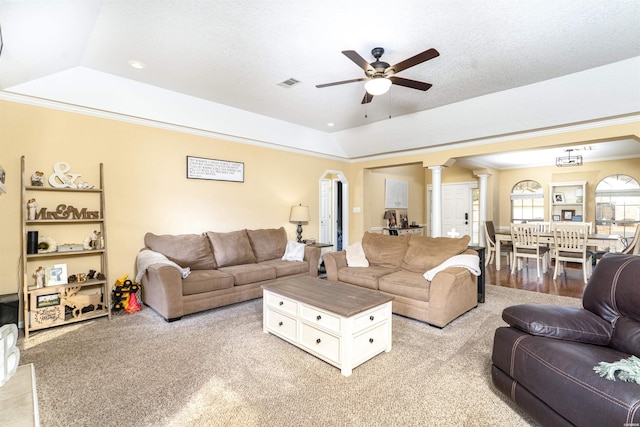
567 214
556 217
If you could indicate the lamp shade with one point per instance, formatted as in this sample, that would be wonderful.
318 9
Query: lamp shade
377 86
299 214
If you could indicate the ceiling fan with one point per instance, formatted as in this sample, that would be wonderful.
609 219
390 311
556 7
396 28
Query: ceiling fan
380 75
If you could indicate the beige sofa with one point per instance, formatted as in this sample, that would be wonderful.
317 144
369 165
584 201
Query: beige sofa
225 268
396 267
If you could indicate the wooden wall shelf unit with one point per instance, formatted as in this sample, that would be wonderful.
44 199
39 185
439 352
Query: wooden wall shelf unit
59 304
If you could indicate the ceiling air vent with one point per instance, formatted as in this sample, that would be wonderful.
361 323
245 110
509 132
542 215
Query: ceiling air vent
289 83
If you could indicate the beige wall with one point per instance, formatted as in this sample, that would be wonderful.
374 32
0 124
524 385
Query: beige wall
147 190
145 181
374 197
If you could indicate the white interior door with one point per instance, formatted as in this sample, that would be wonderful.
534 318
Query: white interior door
456 210
325 212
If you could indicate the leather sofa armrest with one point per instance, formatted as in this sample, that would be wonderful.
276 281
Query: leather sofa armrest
162 290
312 255
565 323
334 261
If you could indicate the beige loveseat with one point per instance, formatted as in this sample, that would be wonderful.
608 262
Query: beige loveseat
222 268
396 267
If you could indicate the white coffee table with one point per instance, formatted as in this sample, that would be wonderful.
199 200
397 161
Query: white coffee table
342 325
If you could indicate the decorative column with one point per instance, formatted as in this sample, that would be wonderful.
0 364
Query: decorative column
436 200
483 206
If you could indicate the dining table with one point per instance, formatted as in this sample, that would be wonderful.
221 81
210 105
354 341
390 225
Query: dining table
546 237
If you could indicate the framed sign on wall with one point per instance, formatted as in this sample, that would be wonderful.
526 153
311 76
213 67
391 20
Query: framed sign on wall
213 169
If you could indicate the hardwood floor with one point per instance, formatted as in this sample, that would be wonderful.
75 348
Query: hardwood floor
569 284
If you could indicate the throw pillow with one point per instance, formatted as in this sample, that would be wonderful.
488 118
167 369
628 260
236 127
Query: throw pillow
356 256
294 251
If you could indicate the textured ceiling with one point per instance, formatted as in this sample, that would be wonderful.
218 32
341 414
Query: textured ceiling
235 53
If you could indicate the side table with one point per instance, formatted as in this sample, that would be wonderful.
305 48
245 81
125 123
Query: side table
321 269
481 288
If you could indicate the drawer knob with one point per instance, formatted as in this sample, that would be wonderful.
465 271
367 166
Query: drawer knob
371 340
371 318
279 323
318 317
318 341
281 303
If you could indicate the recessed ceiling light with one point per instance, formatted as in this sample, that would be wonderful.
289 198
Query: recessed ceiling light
137 64
330 124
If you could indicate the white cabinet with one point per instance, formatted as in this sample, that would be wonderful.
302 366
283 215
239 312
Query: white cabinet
567 201
344 342
72 215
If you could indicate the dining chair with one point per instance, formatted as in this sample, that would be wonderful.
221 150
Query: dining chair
570 244
634 246
490 237
526 244
543 226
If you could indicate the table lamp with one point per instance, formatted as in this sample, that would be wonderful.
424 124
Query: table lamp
299 214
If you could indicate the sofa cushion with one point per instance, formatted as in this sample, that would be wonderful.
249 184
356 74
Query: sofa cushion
365 277
186 250
287 268
232 248
268 243
406 284
560 373
200 281
426 252
250 273
385 251
566 323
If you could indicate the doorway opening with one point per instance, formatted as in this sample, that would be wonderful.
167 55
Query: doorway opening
334 209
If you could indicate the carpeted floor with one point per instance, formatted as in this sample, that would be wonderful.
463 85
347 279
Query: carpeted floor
219 369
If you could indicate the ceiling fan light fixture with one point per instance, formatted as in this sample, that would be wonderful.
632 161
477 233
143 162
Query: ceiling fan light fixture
377 86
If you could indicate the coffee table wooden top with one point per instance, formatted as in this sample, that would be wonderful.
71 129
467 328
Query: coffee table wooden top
340 299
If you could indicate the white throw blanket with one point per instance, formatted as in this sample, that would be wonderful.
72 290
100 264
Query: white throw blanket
470 262
147 257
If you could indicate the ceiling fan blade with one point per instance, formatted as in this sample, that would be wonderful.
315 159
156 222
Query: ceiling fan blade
413 84
367 98
359 60
341 83
415 60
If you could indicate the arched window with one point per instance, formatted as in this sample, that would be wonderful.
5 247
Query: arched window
618 205
527 202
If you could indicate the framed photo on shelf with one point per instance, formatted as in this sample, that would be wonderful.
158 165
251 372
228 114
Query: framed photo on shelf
567 214
57 275
556 217
47 300
558 197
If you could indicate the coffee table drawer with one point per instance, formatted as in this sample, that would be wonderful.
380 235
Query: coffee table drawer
320 342
371 318
281 303
370 343
281 324
320 318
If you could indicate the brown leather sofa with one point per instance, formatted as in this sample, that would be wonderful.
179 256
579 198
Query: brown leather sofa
544 361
